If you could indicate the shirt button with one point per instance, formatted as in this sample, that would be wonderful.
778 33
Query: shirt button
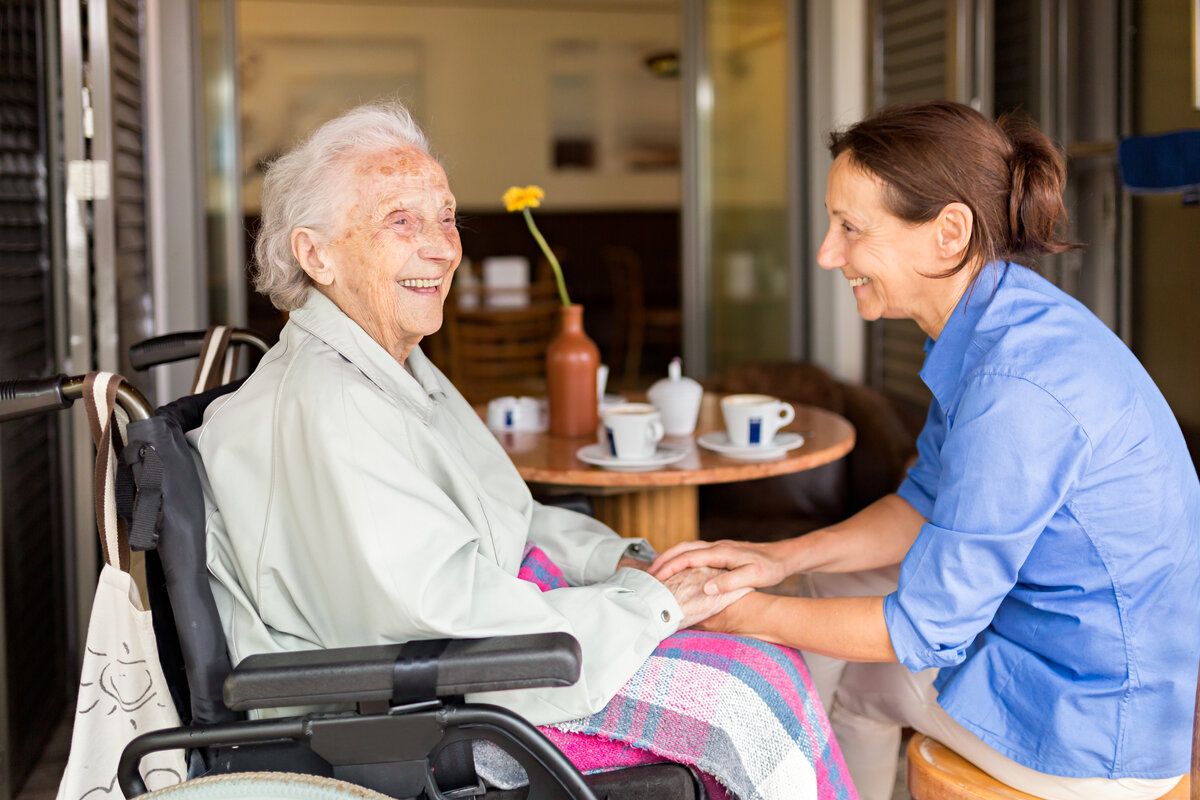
666 616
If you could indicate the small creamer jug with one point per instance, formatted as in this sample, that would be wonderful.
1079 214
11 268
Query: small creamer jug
678 399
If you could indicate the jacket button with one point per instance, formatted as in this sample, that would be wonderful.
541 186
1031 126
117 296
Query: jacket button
666 616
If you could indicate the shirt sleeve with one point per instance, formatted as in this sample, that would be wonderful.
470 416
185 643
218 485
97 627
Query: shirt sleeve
1010 458
920 484
376 552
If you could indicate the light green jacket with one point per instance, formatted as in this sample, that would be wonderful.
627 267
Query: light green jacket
363 502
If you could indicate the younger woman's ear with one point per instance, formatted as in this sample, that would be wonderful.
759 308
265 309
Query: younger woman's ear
954 225
308 253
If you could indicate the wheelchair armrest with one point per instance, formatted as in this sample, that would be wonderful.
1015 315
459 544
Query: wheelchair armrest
419 670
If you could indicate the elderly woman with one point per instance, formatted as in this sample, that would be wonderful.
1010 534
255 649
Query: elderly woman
1047 598
355 497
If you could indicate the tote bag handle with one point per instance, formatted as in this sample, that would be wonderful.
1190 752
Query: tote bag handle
100 398
218 362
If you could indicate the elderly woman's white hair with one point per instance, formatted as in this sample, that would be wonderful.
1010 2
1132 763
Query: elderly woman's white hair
304 187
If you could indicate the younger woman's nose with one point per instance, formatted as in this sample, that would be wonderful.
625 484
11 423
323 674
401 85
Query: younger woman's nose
831 255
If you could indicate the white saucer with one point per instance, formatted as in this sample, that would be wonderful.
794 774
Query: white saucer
598 455
718 442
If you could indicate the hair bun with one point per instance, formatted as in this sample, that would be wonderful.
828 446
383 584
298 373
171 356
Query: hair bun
1039 174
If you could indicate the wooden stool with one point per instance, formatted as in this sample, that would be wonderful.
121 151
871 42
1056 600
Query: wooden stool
935 772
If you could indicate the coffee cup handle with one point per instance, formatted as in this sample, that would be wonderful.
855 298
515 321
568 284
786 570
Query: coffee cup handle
655 431
788 413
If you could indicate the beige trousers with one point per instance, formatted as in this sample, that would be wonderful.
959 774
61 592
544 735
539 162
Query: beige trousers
869 703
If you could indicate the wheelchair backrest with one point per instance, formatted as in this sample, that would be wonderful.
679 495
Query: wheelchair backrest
188 629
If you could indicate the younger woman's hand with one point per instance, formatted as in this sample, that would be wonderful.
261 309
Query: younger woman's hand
738 565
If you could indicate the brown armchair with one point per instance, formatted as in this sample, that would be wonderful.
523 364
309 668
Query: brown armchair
789 505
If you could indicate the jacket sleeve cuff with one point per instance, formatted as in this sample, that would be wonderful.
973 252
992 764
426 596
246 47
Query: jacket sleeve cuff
912 650
664 611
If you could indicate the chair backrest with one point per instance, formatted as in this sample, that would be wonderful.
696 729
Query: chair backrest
497 349
637 322
190 637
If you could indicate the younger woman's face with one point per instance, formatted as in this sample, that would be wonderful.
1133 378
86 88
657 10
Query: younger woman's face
881 256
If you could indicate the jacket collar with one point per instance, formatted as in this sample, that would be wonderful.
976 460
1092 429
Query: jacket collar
416 387
945 356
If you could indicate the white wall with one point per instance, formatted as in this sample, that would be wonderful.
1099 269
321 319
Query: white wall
837 86
483 87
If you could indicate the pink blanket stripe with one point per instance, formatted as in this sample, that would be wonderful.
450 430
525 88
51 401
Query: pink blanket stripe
637 728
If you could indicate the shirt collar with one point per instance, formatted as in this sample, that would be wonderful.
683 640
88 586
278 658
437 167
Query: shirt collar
418 386
944 356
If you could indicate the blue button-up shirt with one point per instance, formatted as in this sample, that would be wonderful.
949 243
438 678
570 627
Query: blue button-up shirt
1057 580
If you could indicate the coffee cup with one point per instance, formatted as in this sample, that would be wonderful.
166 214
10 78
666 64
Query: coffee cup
752 419
632 430
514 414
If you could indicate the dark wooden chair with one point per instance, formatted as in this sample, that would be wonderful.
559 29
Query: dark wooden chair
635 323
495 349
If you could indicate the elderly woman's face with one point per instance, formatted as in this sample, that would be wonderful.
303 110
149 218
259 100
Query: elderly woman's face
397 250
880 255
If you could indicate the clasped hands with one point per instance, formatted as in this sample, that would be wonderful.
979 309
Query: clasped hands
707 577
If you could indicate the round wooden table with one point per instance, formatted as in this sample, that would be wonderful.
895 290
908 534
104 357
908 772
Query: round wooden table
661 505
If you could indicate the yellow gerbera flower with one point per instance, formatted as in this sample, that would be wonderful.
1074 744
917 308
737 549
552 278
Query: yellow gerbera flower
518 199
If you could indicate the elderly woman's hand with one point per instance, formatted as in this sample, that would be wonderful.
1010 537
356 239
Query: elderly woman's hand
698 605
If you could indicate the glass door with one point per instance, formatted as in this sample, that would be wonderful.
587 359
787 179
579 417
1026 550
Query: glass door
225 249
743 282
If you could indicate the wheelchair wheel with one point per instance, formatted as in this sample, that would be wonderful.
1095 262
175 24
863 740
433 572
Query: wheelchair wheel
265 786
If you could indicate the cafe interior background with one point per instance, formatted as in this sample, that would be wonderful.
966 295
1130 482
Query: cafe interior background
680 144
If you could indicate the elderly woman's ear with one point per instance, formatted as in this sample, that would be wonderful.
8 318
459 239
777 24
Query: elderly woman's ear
311 256
952 232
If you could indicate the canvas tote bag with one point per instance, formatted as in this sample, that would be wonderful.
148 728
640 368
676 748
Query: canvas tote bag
122 691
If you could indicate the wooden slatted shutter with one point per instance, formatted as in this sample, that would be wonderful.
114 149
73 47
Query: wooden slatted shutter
124 313
33 675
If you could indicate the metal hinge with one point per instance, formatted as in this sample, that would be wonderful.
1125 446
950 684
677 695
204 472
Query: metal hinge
87 179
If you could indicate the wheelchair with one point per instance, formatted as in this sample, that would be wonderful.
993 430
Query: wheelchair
410 733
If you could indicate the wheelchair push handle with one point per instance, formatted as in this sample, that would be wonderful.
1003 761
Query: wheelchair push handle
30 396
171 347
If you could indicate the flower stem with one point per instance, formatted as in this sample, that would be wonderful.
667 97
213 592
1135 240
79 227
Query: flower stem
558 276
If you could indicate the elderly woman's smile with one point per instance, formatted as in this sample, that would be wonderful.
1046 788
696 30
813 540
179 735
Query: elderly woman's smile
390 265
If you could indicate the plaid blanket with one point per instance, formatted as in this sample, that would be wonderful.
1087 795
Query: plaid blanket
742 712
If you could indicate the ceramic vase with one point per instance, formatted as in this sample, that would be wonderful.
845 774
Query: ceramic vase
571 361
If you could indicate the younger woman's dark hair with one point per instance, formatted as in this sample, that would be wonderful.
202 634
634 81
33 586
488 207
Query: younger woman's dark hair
1007 172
